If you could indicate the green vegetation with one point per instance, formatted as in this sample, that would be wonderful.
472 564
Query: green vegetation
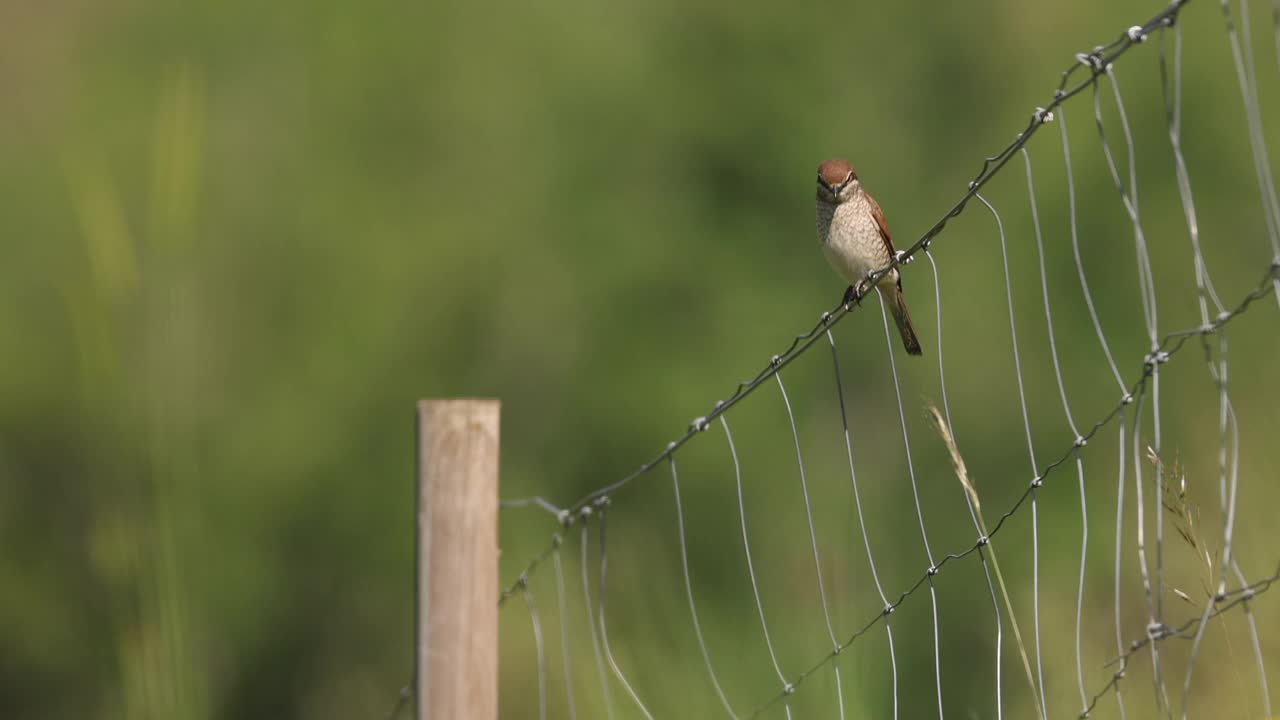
238 241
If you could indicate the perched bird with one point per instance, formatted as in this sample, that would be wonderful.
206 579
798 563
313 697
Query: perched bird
855 240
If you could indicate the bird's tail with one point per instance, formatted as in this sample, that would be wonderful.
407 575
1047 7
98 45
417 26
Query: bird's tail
898 306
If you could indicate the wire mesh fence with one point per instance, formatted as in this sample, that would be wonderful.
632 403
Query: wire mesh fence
1145 467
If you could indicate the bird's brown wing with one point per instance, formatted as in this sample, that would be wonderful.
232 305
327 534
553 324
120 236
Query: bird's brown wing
884 227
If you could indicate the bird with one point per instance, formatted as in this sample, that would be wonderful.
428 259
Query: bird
856 241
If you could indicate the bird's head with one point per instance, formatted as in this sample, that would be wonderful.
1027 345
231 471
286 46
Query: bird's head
837 181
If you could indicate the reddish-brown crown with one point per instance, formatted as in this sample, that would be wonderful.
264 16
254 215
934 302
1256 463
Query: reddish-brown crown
836 171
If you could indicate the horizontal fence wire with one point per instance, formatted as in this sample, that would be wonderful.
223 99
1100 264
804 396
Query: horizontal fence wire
1222 602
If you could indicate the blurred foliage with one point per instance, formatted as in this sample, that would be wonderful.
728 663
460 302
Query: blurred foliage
240 240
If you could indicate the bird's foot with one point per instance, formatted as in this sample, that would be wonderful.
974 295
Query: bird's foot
850 295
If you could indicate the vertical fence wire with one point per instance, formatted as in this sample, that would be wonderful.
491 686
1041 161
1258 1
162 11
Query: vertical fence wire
1140 507
813 538
1171 88
1240 578
862 524
746 547
564 633
537 643
1075 247
973 513
604 632
688 588
591 620
915 492
1253 117
1119 673
1031 452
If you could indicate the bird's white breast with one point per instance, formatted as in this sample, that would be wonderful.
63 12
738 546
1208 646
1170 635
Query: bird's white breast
851 239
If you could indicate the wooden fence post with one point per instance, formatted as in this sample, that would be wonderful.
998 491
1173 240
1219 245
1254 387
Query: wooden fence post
456 673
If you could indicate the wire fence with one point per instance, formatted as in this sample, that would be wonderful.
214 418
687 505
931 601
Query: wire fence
1090 71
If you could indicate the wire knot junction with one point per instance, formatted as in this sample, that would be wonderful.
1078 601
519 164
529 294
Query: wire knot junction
1093 60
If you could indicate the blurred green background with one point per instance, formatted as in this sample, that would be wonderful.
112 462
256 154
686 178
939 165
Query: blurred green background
241 239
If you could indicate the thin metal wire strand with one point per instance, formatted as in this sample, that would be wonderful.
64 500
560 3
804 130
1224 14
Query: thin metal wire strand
1248 610
591 621
1129 198
813 537
1257 648
1044 287
532 501
857 500
1084 546
1173 112
1228 414
1013 332
1026 423
537 643
1257 141
604 630
853 477
1264 168
751 571
915 493
973 514
1066 409
1035 600
688 589
564 634
1139 506
1075 247
1121 443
